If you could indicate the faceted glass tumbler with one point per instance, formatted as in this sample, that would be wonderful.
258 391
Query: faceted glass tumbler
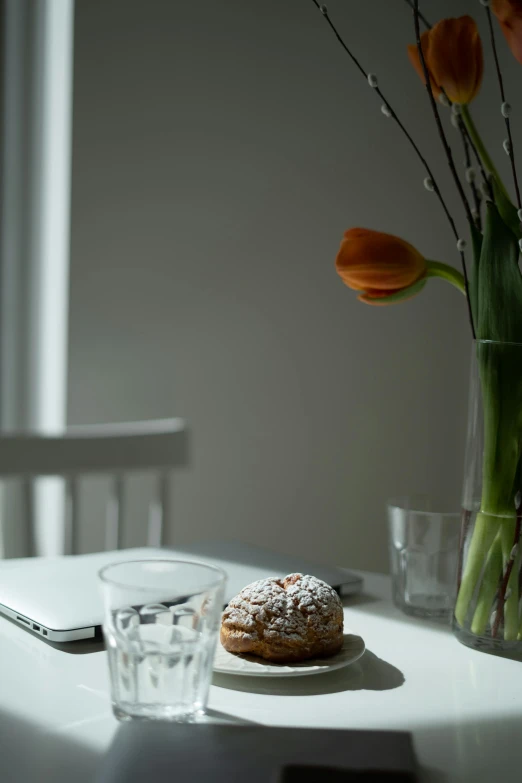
423 545
160 626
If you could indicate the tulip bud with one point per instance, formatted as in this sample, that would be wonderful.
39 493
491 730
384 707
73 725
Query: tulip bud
378 265
452 51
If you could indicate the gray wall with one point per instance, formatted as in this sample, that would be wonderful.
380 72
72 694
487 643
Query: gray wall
221 148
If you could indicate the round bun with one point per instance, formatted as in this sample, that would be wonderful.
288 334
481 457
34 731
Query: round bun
284 620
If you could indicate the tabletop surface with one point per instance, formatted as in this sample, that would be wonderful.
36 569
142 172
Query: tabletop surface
464 708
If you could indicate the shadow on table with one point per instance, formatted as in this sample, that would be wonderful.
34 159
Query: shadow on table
479 749
430 775
369 674
30 753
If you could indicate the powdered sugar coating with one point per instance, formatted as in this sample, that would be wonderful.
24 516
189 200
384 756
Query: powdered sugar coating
284 609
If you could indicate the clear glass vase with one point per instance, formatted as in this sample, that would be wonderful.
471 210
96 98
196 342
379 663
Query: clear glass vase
487 613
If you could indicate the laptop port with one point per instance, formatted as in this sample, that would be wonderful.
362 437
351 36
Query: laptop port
36 627
23 619
44 632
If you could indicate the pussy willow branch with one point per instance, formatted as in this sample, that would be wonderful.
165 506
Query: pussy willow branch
463 130
394 116
447 149
435 110
423 19
511 151
474 190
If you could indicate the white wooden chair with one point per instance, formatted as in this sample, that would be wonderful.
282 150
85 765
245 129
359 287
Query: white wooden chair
157 446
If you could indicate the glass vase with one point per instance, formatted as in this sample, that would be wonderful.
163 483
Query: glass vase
487 612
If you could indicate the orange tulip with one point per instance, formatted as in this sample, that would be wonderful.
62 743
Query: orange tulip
509 15
453 53
379 265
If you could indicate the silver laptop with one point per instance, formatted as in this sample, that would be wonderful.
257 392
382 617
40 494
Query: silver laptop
59 598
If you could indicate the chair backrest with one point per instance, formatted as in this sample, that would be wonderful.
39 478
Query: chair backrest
114 449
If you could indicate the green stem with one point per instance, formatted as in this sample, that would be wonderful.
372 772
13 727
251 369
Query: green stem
488 588
507 535
447 272
479 144
485 530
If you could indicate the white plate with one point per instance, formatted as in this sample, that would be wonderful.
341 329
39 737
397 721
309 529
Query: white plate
249 666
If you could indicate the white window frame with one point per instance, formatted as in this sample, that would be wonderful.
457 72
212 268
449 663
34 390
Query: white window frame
35 236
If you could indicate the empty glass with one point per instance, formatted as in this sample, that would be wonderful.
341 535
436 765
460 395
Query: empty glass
424 546
160 626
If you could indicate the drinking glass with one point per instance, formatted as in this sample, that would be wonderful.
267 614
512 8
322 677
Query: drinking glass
424 546
160 625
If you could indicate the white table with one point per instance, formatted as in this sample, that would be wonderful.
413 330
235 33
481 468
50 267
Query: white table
464 708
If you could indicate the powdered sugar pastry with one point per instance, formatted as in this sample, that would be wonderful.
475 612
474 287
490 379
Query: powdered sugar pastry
284 608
